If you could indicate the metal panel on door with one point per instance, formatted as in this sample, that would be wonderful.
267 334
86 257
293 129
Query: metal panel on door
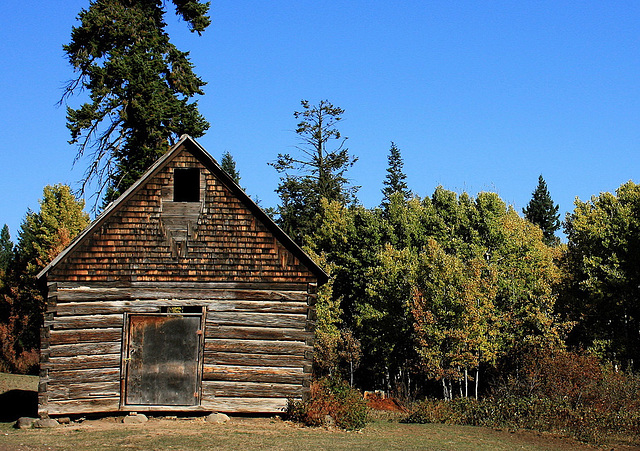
163 360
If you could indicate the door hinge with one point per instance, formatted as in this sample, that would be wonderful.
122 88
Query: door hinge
199 332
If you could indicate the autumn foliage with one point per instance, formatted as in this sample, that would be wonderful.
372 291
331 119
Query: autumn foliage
331 401
550 390
43 235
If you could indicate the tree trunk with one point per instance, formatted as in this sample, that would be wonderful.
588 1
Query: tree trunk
466 383
477 379
351 372
445 393
387 379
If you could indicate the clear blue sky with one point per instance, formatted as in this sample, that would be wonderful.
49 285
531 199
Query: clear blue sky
479 96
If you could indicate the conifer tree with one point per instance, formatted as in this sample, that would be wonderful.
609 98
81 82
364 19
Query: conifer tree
542 212
139 87
316 172
395 180
6 249
44 234
228 164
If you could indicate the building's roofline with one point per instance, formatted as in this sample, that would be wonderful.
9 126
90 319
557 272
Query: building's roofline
210 163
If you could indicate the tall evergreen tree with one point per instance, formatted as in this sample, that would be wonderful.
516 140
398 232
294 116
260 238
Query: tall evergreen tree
139 86
395 180
542 212
316 172
228 164
6 249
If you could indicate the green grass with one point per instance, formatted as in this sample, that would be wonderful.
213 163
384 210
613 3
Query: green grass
264 433
256 433
17 382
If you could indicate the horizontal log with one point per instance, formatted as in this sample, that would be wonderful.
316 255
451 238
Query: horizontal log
256 333
211 389
277 286
75 406
259 307
112 294
257 346
85 376
85 349
151 306
82 362
87 321
85 336
160 408
245 405
280 320
243 359
83 391
110 307
253 374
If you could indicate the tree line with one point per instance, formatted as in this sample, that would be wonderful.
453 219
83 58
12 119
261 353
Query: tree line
427 294
445 287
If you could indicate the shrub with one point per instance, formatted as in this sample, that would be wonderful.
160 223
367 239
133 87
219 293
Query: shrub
334 398
555 391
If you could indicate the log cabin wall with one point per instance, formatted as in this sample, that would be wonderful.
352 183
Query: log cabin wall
151 255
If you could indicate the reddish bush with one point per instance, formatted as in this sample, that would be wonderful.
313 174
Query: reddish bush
332 398
13 358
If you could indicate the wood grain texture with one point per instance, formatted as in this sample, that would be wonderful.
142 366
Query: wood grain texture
87 321
257 346
217 389
245 405
255 333
229 240
96 307
264 360
270 320
85 376
253 374
132 293
237 285
83 391
79 406
83 362
85 336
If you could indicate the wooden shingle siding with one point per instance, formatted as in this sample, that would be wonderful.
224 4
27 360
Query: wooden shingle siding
226 244
148 260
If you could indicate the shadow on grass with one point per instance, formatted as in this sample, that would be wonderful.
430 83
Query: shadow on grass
18 403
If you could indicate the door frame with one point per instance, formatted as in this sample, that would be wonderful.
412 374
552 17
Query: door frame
124 361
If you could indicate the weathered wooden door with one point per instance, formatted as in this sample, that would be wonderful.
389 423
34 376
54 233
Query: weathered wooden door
163 360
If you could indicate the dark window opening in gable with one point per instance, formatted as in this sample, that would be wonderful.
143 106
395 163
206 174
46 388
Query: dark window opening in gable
186 185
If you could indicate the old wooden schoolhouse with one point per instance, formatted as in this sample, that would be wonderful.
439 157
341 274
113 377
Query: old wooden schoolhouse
183 295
